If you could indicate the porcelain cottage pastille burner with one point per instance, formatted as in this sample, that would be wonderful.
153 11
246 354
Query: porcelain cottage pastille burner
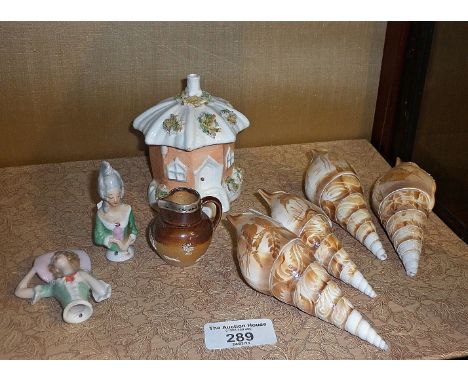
191 138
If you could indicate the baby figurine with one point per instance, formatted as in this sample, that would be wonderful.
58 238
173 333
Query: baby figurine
115 226
69 284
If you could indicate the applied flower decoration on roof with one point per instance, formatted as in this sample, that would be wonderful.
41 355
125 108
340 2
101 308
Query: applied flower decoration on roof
208 124
173 124
194 100
229 116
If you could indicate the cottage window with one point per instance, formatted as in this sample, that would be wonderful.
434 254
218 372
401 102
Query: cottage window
176 170
229 157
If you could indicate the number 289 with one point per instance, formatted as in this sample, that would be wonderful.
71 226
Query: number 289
239 337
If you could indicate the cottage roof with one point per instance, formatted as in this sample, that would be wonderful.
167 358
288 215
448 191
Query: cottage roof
191 120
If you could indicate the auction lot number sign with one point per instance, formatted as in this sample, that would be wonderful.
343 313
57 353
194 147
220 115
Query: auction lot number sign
234 334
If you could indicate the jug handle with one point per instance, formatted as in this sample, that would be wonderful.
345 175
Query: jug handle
150 233
219 208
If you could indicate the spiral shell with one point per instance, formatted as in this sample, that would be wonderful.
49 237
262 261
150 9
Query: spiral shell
259 243
333 185
402 199
274 261
314 228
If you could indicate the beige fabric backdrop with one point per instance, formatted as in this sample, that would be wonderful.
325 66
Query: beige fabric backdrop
71 90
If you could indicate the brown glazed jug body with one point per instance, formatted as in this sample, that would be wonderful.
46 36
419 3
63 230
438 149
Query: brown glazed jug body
181 232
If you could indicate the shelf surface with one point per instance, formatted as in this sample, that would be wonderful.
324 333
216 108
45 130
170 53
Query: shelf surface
157 311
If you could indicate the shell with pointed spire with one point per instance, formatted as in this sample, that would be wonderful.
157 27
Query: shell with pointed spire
311 224
274 261
333 185
402 199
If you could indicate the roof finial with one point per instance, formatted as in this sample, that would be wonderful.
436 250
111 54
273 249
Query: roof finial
193 85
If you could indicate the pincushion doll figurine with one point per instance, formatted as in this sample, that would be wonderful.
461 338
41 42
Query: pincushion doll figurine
115 226
69 284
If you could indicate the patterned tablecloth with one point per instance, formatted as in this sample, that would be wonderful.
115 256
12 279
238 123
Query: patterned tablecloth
158 311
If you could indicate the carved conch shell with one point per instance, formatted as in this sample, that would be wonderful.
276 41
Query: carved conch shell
333 185
314 228
402 199
274 261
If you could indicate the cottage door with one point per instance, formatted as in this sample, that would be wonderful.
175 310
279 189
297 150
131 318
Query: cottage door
208 178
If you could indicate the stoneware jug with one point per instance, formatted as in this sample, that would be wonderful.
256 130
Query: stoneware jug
181 232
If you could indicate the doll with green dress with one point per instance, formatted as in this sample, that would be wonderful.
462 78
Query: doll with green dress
115 226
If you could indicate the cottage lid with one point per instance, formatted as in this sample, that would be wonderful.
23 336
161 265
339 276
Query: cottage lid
191 120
